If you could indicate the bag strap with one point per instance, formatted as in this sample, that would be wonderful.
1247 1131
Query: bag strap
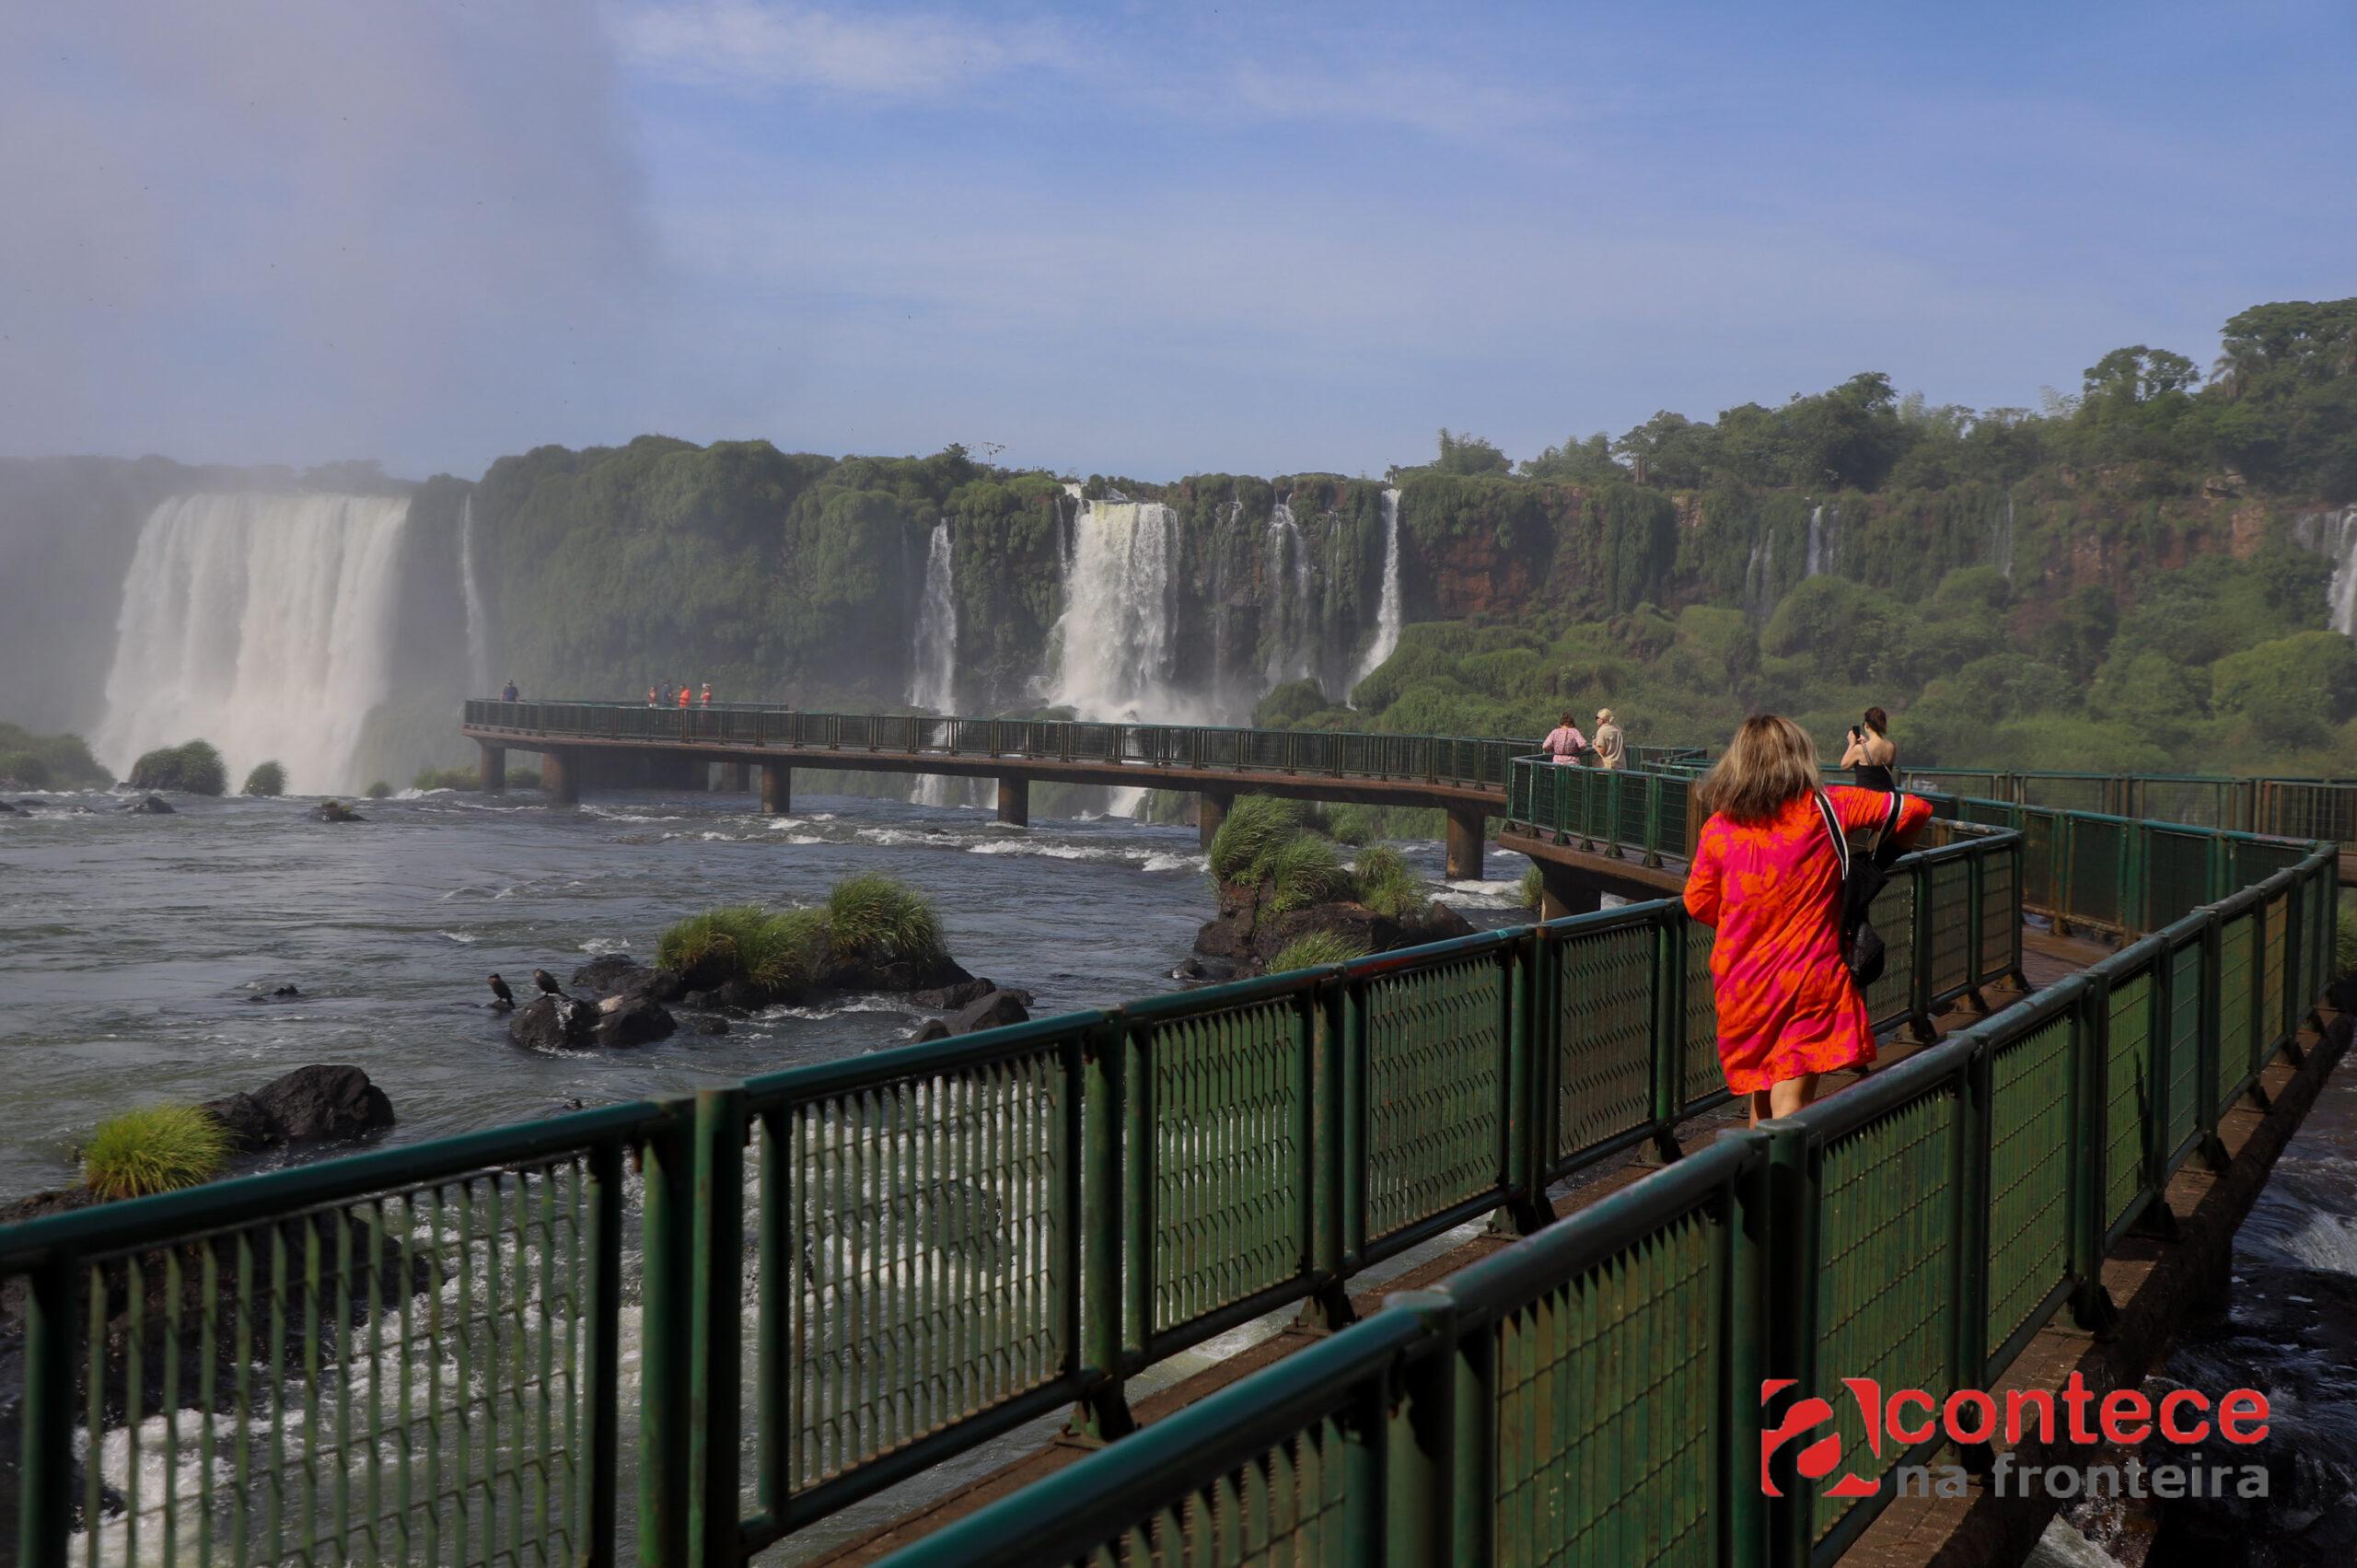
1833 829
1889 824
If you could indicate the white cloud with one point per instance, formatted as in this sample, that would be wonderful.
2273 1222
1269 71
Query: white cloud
755 46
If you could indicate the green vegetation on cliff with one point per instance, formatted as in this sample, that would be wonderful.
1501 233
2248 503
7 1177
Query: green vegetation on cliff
47 761
194 767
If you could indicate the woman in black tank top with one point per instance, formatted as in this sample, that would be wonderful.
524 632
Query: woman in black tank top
1872 755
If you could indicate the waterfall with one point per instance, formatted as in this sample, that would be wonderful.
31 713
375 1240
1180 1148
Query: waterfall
1815 540
262 623
478 624
933 674
1289 636
2334 536
1757 573
1115 642
1387 615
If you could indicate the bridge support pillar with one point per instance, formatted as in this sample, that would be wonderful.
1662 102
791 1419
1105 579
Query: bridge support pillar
1464 845
1210 809
495 768
777 788
737 778
1562 892
560 777
1015 800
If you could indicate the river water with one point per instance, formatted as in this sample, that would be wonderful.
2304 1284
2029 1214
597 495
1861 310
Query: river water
138 945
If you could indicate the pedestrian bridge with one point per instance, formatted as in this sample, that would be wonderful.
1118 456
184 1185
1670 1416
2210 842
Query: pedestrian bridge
748 1311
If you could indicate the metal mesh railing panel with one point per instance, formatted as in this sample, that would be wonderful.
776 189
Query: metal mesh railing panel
1436 1057
1608 1390
1703 1073
2185 1045
2272 1009
1605 1014
2129 1103
1951 914
2238 958
2099 853
1889 997
1288 1507
2000 916
2029 1156
2176 875
2038 833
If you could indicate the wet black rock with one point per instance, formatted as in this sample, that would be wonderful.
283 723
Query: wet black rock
553 1023
151 806
932 1028
997 1009
8 810
712 1024
611 974
633 1020
287 992
335 811
311 1105
949 998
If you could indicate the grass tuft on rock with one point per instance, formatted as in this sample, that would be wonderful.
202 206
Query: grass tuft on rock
266 779
1304 871
874 917
1257 827
1316 948
159 1148
1386 885
1532 887
194 768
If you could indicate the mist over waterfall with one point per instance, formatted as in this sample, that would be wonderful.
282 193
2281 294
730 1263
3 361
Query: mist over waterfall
1824 538
1116 640
1387 614
477 622
2334 536
261 623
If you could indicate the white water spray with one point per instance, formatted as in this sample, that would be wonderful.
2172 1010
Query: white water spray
932 675
262 623
2334 536
1387 614
1824 538
1290 639
477 622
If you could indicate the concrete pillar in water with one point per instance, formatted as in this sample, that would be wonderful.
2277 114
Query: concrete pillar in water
1465 844
1211 811
737 778
1563 892
560 777
495 768
777 788
1015 800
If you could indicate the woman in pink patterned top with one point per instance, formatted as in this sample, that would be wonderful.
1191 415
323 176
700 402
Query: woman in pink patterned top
1766 875
1564 742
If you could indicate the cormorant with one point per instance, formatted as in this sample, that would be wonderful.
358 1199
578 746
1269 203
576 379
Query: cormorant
499 989
547 983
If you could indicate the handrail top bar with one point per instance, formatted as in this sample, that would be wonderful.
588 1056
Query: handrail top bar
242 1200
1883 1091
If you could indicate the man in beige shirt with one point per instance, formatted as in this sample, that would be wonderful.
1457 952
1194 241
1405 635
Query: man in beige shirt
1611 747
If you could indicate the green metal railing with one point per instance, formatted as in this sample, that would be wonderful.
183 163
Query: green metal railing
1592 1393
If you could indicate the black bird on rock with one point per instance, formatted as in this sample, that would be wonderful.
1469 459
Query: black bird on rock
499 989
547 983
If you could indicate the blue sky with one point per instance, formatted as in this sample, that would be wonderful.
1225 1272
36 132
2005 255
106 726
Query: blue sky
1143 239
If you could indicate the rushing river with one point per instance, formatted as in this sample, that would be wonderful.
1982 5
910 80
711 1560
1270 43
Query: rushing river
138 946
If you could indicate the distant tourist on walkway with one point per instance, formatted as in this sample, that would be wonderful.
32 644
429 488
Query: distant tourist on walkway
1564 742
686 694
507 692
652 700
1611 746
1767 874
706 698
1872 754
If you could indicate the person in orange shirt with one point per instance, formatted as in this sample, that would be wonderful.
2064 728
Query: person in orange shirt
1766 875
687 696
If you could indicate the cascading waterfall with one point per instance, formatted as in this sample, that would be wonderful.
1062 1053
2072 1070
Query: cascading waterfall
1387 614
477 622
1290 637
260 622
1824 538
1757 571
2334 536
932 675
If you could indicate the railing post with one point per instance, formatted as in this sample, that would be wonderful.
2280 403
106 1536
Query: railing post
2091 1038
717 1271
2208 1070
1652 819
1419 1461
1668 1030
45 1468
1105 1413
1918 954
600 1470
1328 1061
666 1338
1791 1350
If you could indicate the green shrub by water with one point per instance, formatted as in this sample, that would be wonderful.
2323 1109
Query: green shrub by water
523 778
380 790
49 762
446 778
194 768
1532 887
1304 871
1257 826
159 1148
1317 947
267 778
1387 883
872 916
866 917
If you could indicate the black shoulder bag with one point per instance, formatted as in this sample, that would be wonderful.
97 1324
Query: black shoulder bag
1863 878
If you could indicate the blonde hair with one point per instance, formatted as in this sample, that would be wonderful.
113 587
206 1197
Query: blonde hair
1604 716
1770 761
